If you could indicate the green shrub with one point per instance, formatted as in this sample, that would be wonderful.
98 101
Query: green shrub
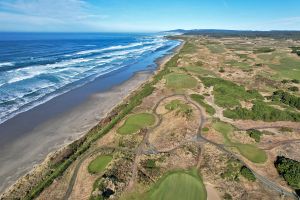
199 99
295 81
286 98
222 70
293 89
227 196
247 173
264 50
228 94
290 170
261 111
150 164
255 134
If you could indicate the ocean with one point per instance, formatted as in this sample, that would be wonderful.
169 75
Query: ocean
36 67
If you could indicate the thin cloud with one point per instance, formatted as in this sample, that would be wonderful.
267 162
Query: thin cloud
51 13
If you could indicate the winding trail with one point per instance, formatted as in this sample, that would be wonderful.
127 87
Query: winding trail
199 139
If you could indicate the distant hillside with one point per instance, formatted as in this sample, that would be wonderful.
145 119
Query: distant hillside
246 33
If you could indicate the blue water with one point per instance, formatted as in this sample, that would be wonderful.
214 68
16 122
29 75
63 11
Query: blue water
36 67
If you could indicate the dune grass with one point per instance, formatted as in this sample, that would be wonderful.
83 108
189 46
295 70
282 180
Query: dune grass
200 100
136 122
178 185
216 48
228 94
180 81
99 164
249 151
180 107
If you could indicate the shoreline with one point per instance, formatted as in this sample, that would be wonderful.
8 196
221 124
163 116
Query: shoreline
126 89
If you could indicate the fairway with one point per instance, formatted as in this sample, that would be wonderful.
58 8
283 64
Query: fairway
136 122
225 129
179 185
249 151
99 164
180 81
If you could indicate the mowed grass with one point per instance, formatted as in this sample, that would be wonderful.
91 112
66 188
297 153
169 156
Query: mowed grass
178 185
180 81
136 122
99 164
288 68
249 151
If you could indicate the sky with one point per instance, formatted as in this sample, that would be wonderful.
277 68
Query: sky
147 15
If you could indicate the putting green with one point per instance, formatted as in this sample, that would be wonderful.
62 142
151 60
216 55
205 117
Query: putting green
249 151
179 185
136 122
99 164
180 81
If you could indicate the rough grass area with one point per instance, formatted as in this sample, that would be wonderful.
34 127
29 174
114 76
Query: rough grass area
228 94
99 164
199 99
180 107
235 63
178 185
216 48
180 81
199 70
249 151
136 122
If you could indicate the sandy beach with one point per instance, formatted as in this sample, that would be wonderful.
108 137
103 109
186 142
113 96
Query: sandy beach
20 156
60 123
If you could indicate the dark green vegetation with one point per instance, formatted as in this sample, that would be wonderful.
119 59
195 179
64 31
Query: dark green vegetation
234 169
296 50
290 170
99 164
286 98
264 50
100 130
228 94
247 173
261 111
227 196
293 89
255 134
251 34
180 107
249 151
178 185
200 100
180 81
149 164
136 122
